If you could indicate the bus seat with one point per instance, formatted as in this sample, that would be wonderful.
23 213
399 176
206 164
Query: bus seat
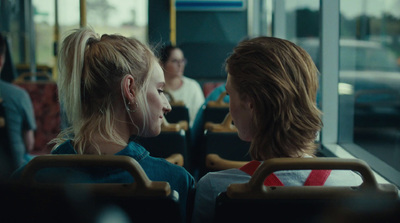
215 111
208 87
369 202
222 147
44 97
141 201
170 144
179 110
178 113
42 77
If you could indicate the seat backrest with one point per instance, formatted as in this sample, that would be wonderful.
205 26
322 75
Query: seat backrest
167 145
215 111
222 148
170 144
309 203
179 112
139 201
46 110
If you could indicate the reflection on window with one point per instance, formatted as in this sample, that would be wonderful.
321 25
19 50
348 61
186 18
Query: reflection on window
366 55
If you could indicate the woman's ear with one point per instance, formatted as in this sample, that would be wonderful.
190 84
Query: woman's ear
128 85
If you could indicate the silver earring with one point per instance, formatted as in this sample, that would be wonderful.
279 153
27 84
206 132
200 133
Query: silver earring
132 110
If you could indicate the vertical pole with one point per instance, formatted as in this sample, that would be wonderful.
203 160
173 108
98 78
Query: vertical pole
172 21
82 13
56 40
330 69
279 19
32 45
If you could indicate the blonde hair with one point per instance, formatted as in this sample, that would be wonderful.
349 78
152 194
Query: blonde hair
282 81
91 70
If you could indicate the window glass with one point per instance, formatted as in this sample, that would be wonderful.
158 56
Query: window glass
15 37
303 27
302 19
370 78
68 16
44 17
125 17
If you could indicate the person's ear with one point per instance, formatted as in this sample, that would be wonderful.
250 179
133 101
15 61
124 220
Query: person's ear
128 85
2 60
249 102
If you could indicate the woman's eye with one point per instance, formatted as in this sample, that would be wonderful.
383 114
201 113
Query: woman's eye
160 91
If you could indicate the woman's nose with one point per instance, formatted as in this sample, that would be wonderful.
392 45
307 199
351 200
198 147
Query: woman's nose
167 108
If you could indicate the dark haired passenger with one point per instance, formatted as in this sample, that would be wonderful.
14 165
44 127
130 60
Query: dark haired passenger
179 86
272 84
112 88
19 121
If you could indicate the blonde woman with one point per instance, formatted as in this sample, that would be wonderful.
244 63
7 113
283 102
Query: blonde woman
112 88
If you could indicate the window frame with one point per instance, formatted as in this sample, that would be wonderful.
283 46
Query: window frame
336 140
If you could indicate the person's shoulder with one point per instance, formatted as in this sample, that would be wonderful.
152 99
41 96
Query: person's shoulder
15 95
64 148
12 89
216 92
168 167
229 173
190 81
223 178
343 178
219 89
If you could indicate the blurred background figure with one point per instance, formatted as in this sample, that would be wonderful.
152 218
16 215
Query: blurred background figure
17 139
180 87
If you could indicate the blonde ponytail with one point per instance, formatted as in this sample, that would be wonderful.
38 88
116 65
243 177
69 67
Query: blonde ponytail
90 73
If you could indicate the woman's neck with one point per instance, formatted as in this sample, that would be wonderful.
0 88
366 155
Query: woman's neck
173 84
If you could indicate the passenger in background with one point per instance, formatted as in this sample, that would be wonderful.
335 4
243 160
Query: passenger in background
19 119
112 88
180 87
199 122
272 84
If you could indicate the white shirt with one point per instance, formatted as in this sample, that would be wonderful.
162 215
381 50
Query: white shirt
191 94
213 183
